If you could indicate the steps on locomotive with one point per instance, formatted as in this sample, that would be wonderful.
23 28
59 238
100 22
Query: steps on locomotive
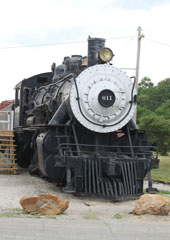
7 152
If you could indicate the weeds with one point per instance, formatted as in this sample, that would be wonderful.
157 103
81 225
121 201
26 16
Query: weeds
18 212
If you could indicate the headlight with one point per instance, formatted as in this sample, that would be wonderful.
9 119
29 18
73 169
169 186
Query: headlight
106 55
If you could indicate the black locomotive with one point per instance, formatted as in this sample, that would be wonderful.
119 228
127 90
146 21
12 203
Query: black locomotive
75 126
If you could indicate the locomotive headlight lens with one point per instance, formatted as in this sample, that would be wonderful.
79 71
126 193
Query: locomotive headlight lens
106 55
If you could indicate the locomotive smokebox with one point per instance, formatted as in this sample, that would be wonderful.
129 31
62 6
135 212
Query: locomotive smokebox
94 46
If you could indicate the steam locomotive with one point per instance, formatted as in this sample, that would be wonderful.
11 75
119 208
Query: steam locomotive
75 125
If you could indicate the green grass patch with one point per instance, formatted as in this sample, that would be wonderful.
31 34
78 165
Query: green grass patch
118 216
164 192
163 173
19 213
14 212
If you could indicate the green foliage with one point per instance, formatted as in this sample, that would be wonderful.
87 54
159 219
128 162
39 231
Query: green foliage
159 130
163 91
154 111
164 110
146 83
146 97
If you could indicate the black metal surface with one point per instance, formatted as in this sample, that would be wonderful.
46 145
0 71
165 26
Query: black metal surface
106 98
126 183
60 116
150 189
94 46
94 183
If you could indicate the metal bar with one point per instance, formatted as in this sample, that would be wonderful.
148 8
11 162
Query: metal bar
119 187
93 177
89 171
85 175
110 154
135 176
132 176
106 187
76 140
123 191
102 186
130 141
107 146
130 180
126 177
97 177
115 188
110 187
151 148
100 175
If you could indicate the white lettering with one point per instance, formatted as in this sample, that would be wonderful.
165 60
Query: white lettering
107 98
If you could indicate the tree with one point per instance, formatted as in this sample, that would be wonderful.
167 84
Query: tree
150 96
162 92
146 83
164 110
153 112
158 129
145 98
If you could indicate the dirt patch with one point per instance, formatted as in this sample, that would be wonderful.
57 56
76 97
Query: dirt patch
14 187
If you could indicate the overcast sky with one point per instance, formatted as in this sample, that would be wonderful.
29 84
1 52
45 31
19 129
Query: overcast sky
61 28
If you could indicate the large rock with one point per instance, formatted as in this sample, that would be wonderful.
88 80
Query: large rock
154 204
49 204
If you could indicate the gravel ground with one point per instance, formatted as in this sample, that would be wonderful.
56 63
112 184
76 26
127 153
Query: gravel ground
14 187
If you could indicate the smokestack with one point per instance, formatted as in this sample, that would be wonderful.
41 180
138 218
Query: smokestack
94 46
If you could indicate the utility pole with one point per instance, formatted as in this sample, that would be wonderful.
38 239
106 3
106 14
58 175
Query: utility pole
139 37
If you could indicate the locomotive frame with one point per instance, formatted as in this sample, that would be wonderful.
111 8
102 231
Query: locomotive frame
82 135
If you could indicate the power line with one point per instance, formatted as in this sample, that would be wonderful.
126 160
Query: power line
77 42
41 45
115 38
58 43
160 43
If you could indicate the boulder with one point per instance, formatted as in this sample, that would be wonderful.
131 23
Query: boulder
49 204
154 204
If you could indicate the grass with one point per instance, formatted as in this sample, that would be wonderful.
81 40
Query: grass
163 173
18 212
118 216
121 215
14 212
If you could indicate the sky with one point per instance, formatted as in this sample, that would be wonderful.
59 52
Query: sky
36 33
